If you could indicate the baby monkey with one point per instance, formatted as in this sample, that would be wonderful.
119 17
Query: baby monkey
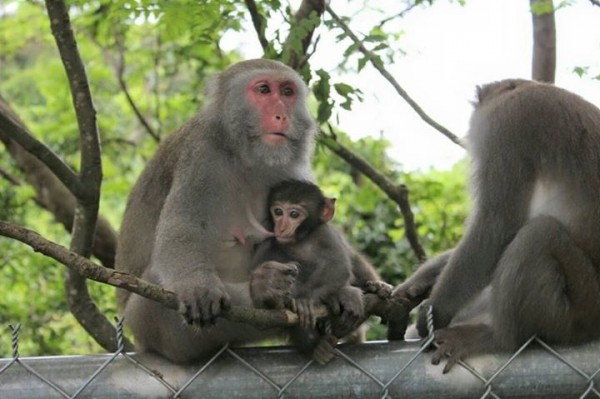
317 256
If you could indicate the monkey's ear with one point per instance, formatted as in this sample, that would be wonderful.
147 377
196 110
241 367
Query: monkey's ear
328 210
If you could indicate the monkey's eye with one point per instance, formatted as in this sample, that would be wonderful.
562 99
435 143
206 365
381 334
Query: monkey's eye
277 211
294 214
287 91
264 88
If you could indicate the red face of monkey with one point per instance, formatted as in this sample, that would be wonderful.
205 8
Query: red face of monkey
274 99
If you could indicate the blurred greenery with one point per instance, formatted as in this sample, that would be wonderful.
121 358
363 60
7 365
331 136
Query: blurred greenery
167 49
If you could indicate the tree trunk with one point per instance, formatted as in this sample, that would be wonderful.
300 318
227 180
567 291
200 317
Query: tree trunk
52 195
544 41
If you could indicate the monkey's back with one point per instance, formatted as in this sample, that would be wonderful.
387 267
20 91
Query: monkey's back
144 205
536 133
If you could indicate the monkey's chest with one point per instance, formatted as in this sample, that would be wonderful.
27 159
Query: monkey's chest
231 264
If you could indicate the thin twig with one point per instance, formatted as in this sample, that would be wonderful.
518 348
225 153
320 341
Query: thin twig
21 135
399 15
297 58
259 24
398 193
9 177
373 59
52 194
120 71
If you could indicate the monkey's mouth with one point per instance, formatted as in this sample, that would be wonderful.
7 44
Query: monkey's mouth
284 239
274 137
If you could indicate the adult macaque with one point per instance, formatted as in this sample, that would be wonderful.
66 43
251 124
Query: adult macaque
189 207
299 216
534 234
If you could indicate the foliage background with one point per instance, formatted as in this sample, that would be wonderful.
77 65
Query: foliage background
159 53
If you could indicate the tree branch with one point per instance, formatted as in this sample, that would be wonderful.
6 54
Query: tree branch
9 177
11 127
543 65
75 262
120 71
52 194
399 15
398 194
258 21
91 162
374 60
293 56
375 304
84 223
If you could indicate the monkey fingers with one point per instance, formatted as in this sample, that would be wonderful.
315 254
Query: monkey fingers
305 309
272 284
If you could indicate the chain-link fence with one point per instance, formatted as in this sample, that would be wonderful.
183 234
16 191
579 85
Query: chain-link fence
370 370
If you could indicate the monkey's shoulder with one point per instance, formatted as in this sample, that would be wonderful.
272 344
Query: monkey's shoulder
525 95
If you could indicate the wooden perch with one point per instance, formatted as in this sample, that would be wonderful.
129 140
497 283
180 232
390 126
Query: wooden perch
393 311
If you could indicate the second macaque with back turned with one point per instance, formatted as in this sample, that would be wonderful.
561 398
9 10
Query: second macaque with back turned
298 217
529 262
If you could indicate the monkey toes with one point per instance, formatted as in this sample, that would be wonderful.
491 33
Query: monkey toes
459 342
272 284
324 351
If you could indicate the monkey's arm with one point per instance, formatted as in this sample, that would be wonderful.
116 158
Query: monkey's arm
189 232
419 285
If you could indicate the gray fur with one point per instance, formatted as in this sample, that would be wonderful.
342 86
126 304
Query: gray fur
534 233
186 204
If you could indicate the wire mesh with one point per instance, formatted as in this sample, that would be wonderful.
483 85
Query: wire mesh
370 370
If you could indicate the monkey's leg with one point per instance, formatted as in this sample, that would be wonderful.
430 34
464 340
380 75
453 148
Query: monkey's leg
544 285
161 330
347 308
418 286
